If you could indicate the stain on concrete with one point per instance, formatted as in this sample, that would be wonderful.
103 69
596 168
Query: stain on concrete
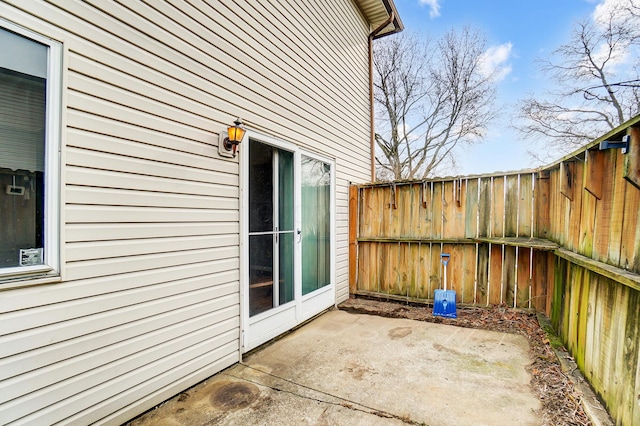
231 396
399 332
442 348
358 371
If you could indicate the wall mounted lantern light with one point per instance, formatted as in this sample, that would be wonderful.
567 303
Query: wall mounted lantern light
228 143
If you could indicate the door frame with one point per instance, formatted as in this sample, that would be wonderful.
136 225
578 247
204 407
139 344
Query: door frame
259 329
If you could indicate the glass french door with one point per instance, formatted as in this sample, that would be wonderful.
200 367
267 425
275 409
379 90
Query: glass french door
271 232
288 272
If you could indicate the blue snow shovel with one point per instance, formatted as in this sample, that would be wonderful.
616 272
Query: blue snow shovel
444 303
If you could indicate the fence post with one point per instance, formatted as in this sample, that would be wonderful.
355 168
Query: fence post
353 238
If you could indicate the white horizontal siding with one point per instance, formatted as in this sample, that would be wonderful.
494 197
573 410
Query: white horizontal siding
210 71
121 265
174 369
118 197
342 227
110 214
100 178
135 106
112 364
23 299
180 24
104 161
128 231
149 302
56 332
191 332
121 131
18 360
109 249
128 115
105 393
138 398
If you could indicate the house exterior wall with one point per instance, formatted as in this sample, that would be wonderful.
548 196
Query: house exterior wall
147 303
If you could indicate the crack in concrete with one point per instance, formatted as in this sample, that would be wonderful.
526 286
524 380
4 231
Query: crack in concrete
346 403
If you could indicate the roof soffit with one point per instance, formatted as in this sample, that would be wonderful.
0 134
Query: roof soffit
377 12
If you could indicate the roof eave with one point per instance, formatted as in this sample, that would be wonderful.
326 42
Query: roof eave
377 12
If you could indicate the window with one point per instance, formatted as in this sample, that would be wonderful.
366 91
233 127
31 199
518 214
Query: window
30 67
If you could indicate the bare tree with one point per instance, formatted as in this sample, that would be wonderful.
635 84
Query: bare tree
598 83
430 96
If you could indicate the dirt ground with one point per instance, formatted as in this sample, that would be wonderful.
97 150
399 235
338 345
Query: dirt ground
560 399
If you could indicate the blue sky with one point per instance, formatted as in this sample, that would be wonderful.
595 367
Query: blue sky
518 32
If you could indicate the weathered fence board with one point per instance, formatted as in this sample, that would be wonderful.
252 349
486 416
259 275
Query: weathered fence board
604 209
511 198
525 205
436 205
509 276
467 290
542 275
497 206
575 206
482 271
629 228
617 214
542 206
471 208
484 207
587 223
524 270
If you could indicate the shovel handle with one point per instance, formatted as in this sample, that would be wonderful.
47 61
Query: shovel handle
444 258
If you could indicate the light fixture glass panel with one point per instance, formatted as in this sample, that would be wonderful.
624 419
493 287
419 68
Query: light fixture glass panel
235 133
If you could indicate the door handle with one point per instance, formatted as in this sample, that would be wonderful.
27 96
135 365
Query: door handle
299 232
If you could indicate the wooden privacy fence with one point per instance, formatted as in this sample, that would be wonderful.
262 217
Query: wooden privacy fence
485 223
593 213
564 239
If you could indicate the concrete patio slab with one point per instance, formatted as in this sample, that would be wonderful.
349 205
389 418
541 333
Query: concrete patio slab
353 369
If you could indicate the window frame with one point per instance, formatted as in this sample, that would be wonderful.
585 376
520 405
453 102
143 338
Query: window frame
53 114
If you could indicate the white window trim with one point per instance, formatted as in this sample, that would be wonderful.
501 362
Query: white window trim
51 252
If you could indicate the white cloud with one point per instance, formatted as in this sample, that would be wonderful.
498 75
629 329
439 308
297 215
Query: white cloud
494 61
607 8
434 5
